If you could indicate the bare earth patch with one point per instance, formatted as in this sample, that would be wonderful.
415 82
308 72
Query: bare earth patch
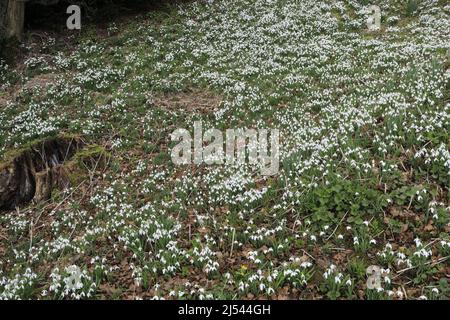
196 100
3 101
41 80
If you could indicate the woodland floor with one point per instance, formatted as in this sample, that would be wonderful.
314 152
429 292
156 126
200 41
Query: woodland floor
365 161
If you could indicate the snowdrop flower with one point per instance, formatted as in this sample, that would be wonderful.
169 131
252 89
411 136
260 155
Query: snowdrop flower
306 264
401 255
73 281
418 242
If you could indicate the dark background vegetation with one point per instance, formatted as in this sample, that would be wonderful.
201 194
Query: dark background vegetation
51 19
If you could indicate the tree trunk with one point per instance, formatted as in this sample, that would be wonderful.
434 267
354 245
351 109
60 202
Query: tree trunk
15 16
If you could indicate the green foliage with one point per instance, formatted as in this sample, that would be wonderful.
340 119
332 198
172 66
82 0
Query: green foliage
411 7
330 202
357 268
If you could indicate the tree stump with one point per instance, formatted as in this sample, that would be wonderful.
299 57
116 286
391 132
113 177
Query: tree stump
32 173
14 18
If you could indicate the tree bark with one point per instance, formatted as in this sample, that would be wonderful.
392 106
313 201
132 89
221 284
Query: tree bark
15 16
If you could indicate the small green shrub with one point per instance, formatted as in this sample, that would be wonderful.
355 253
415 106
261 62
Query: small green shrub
411 7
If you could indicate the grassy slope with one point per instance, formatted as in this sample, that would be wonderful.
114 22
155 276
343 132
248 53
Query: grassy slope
365 162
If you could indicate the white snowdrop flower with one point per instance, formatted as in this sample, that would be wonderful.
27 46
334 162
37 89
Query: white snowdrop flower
306 264
401 255
73 281
418 242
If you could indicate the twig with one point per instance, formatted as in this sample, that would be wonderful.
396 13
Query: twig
309 255
31 235
337 226
232 242
432 263
404 292
64 200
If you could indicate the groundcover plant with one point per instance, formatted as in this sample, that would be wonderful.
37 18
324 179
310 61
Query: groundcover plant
93 207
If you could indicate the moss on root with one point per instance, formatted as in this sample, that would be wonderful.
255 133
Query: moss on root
33 171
